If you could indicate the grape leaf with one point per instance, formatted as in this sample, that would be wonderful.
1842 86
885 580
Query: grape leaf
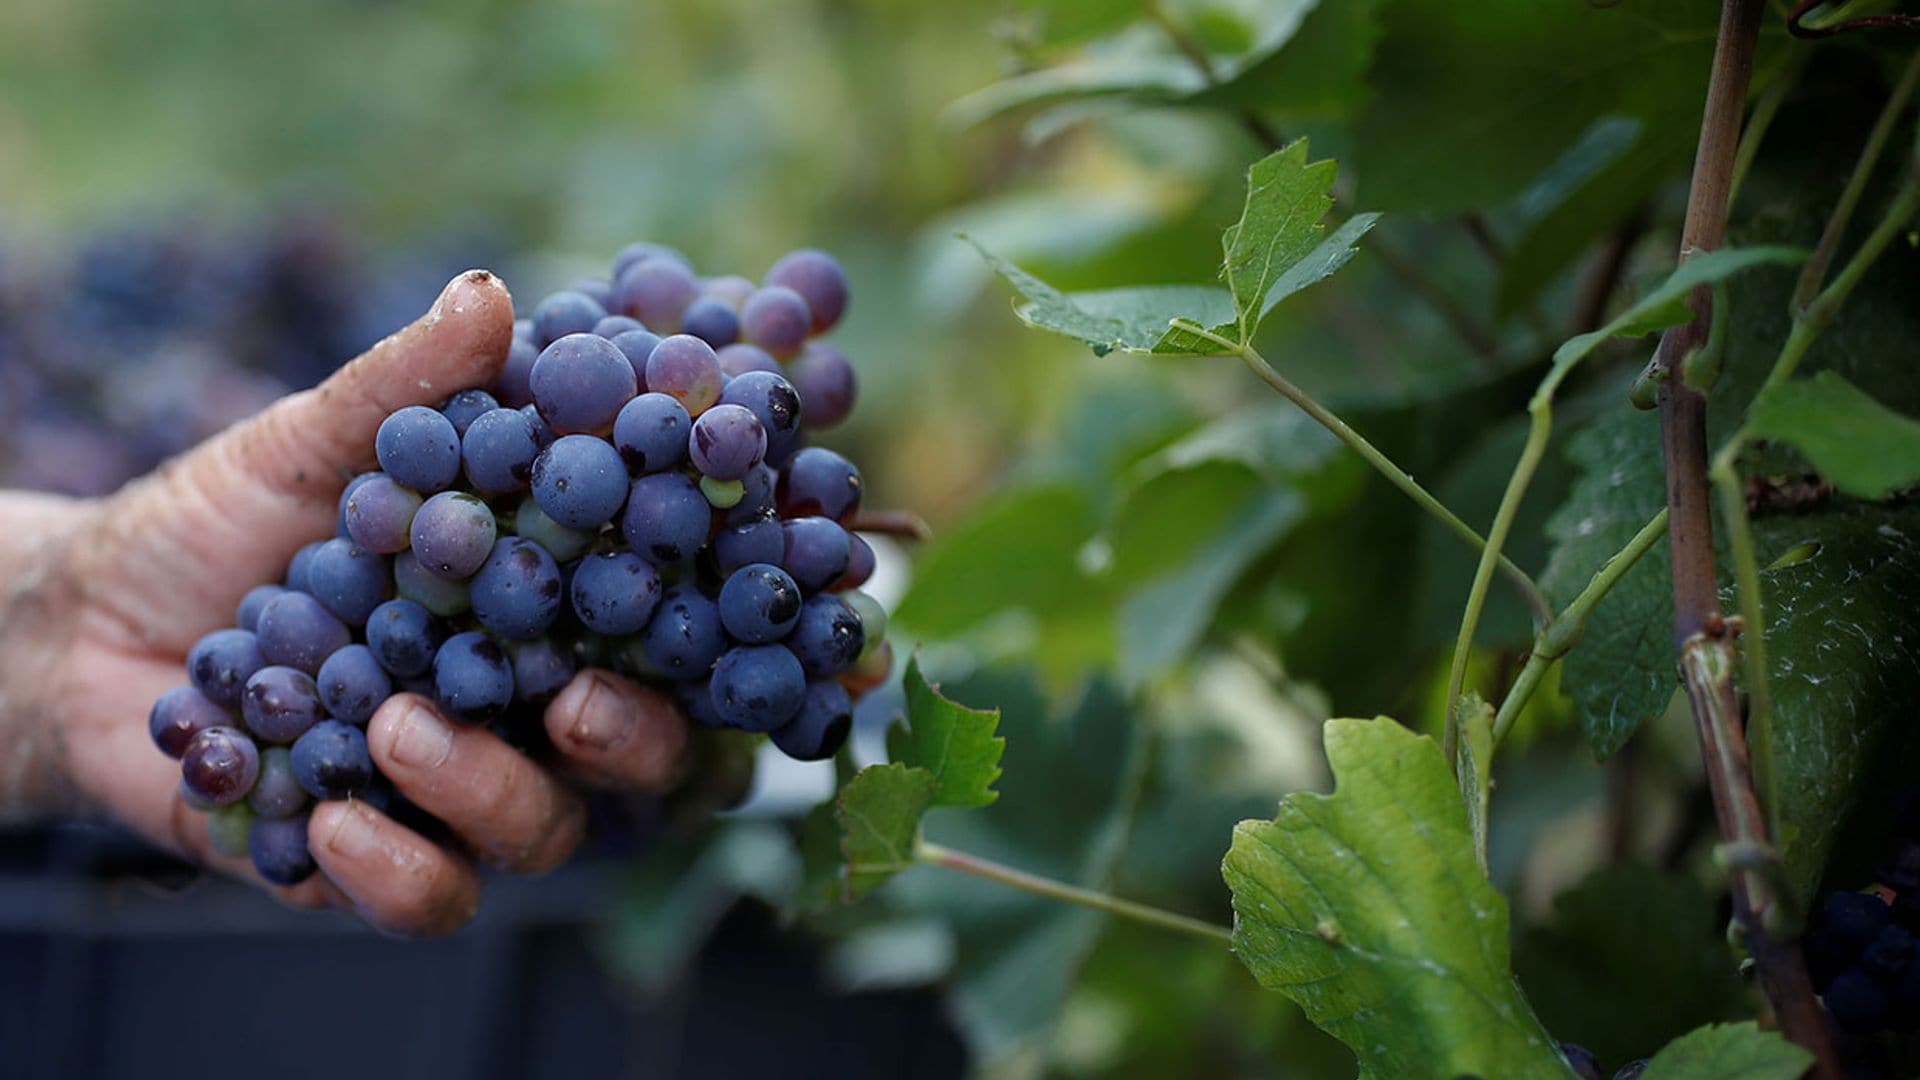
1469 104
879 813
1665 305
1843 643
954 743
1142 63
1863 447
1729 1052
1018 555
1276 249
1368 908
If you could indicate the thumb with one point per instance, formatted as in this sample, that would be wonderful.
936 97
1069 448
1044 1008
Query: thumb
308 444
194 536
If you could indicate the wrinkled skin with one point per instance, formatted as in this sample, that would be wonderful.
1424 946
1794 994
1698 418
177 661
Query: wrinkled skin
100 600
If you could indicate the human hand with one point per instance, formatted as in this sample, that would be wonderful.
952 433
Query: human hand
108 596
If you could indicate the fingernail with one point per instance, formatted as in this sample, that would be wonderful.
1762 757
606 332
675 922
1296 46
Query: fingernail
606 719
353 837
424 741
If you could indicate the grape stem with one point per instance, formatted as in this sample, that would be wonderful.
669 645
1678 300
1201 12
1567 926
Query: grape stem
1530 593
902 523
1553 643
932 854
1702 635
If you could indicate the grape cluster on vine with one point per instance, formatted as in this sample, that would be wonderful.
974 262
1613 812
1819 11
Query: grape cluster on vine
636 491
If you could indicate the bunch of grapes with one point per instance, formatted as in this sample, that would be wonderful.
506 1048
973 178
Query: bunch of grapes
635 492
1863 948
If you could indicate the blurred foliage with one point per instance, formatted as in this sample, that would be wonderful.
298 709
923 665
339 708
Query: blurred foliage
1164 578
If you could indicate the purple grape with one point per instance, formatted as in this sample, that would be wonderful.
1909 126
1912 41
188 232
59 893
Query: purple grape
615 592
346 497
712 321
633 254
498 451
726 441
297 568
817 552
542 434
636 346
331 761
380 515
180 714
523 329
220 765
464 407
818 280
696 700
279 849
739 358
756 496
403 637
516 593
580 481
276 794
541 669
686 369
452 535
655 291
860 563
759 603
772 400
614 325
297 631
280 703
565 312
351 581
819 481
353 683
514 387
820 728
684 637
247 617
758 687
419 449
651 432
600 292
826 384
472 680
667 518
730 289
776 319
580 382
428 589
761 540
827 637
220 664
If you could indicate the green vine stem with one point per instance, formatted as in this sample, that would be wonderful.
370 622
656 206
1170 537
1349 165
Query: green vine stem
933 854
1764 111
1553 643
1815 270
1530 593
